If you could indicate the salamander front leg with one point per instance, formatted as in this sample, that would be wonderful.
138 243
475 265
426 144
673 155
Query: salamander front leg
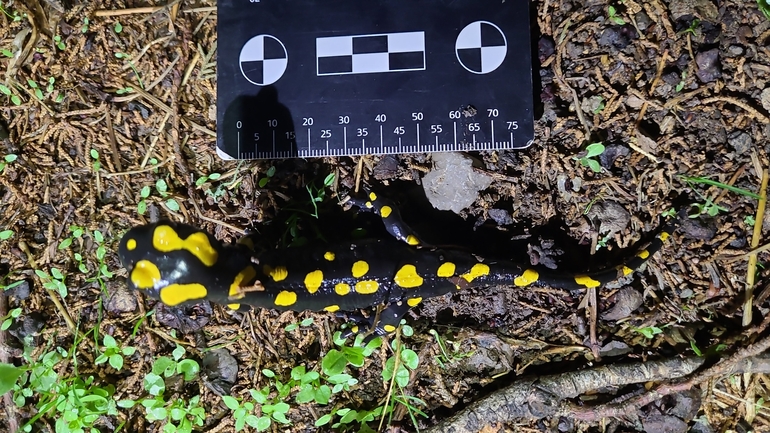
390 215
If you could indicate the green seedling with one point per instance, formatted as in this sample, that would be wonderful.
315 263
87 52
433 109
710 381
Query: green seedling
748 220
317 195
162 187
693 25
15 16
7 92
305 323
7 159
681 83
612 14
59 43
602 243
114 354
242 413
118 27
203 179
6 53
709 207
592 150
8 319
124 90
54 281
6 234
178 415
445 357
669 213
141 208
84 27
270 173
96 165
649 331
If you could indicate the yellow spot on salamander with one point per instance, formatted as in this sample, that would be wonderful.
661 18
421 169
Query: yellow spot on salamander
279 273
412 240
664 236
446 270
175 294
369 205
332 308
145 274
478 270
329 256
354 329
528 277
360 268
643 254
585 280
386 211
407 277
245 276
131 244
413 302
372 196
389 328
627 271
313 280
342 289
165 239
234 306
366 287
285 299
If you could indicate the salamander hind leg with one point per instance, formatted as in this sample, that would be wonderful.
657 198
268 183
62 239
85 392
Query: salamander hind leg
377 325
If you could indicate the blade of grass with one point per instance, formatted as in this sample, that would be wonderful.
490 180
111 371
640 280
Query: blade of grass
705 181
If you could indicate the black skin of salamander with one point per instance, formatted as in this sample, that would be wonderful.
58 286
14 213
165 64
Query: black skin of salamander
384 258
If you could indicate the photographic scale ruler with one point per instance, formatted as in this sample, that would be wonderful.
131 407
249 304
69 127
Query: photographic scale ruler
313 78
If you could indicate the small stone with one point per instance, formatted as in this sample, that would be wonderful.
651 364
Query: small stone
735 50
500 216
643 21
614 348
387 168
612 153
610 215
618 36
708 65
740 141
453 184
220 370
634 102
703 9
765 99
545 48
121 300
627 300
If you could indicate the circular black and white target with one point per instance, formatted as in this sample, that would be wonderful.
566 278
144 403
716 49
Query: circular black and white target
481 47
263 60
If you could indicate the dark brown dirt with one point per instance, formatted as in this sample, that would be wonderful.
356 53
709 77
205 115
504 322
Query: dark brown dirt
676 90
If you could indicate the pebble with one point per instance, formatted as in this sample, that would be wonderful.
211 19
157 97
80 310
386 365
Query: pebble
452 184
545 48
765 98
703 9
708 65
740 141
618 36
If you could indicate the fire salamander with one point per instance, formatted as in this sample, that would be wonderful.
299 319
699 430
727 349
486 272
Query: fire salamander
178 263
